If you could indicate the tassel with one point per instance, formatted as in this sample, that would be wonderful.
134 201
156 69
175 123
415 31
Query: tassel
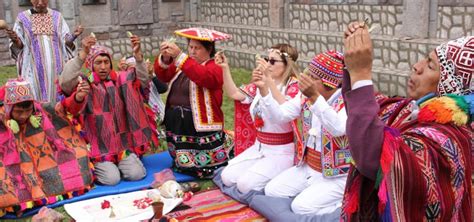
382 194
353 199
386 156
13 125
35 121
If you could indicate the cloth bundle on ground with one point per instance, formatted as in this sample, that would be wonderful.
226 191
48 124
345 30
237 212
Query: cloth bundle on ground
213 205
133 206
43 160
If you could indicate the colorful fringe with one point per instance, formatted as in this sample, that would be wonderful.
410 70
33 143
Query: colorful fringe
446 109
45 201
386 159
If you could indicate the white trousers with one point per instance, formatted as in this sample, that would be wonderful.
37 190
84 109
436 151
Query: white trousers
314 193
252 169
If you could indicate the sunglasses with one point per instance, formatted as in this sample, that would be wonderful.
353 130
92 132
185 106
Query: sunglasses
272 61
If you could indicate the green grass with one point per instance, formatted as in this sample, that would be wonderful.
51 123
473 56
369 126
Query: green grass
7 72
240 76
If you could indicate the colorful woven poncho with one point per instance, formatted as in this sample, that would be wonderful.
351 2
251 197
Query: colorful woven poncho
43 161
428 155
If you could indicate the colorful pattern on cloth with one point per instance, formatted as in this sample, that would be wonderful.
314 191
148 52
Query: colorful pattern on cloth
328 67
213 205
429 160
42 165
203 34
201 104
336 158
42 24
335 154
245 131
191 158
456 59
18 91
244 127
38 66
115 119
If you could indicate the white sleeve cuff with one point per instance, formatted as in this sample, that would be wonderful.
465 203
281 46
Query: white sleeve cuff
362 83
267 99
319 105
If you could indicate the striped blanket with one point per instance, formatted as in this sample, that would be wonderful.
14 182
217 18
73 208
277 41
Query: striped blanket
213 205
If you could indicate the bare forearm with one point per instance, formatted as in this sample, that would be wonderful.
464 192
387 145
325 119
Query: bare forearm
230 88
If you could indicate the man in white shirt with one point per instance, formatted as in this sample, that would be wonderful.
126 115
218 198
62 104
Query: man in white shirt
317 181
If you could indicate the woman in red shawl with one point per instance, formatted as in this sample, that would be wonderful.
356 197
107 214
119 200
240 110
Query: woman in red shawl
194 119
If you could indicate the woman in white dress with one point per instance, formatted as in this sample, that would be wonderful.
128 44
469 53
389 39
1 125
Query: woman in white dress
273 150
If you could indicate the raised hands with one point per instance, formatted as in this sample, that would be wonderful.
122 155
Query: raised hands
308 86
78 31
136 48
358 52
82 90
87 44
221 60
169 50
149 67
261 75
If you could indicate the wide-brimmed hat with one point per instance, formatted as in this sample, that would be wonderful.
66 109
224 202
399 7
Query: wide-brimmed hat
203 34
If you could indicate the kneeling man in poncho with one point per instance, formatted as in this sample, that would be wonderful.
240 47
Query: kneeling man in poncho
42 157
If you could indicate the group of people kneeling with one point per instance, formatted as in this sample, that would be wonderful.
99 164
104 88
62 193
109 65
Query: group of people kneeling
367 155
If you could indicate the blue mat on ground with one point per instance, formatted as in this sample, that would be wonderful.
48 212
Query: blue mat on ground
153 164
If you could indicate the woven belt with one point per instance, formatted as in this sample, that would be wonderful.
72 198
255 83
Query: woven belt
313 159
275 138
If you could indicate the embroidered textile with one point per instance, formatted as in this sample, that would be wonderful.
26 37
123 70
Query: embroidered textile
456 60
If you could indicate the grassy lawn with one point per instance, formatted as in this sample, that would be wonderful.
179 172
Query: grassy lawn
7 72
240 76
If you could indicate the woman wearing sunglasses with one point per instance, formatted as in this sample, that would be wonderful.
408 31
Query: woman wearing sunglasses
273 149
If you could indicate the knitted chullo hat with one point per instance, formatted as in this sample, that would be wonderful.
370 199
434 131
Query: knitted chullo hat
328 66
17 91
95 51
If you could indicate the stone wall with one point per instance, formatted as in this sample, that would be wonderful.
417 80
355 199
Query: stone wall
313 26
392 57
109 21
454 22
236 12
121 47
333 17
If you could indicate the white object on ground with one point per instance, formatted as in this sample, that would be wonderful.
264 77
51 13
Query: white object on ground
123 207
